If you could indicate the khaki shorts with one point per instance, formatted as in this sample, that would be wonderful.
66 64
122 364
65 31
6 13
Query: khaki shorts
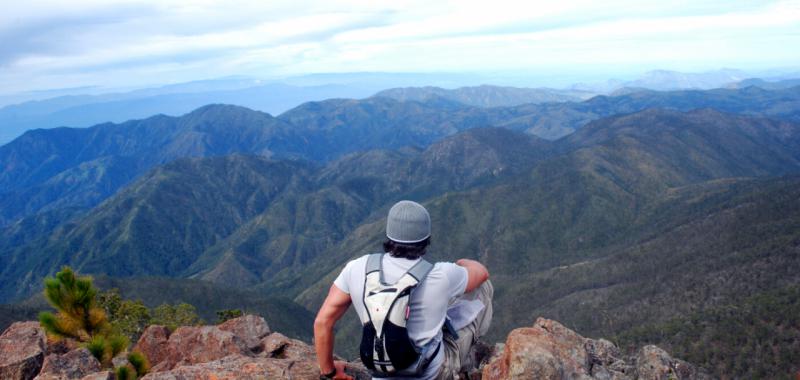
458 355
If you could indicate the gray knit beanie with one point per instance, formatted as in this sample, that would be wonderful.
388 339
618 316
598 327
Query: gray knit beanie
408 222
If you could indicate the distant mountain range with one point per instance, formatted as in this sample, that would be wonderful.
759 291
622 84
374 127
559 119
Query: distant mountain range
767 85
487 96
87 110
673 80
83 107
668 80
650 209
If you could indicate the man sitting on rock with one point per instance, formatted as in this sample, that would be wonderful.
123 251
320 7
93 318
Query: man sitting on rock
419 320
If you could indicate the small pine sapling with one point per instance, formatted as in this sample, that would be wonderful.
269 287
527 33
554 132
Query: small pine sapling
78 317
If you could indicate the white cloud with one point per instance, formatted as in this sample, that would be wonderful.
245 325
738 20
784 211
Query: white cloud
58 43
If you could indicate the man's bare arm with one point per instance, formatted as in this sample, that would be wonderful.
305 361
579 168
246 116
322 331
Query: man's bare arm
332 309
476 273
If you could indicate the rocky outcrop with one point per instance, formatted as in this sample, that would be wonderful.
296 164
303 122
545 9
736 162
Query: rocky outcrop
153 343
655 363
241 367
273 344
245 348
247 367
550 351
102 375
75 364
200 344
22 350
282 347
250 328
242 348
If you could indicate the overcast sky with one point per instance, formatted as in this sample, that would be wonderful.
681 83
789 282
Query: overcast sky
110 43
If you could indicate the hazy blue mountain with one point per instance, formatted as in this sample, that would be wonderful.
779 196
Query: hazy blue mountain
337 125
674 80
87 110
766 84
385 80
83 107
45 169
552 121
486 95
206 85
668 80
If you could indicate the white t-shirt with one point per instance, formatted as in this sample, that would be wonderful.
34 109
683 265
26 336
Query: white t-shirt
429 301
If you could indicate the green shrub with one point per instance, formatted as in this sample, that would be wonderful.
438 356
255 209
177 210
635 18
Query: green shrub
124 373
225 315
174 316
139 363
127 317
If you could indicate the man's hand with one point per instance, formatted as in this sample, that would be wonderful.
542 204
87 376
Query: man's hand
476 273
340 375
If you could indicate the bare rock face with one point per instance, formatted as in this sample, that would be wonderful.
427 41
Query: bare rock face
153 343
244 348
22 350
60 347
548 350
277 345
238 367
273 344
199 344
75 364
248 367
297 350
250 328
121 360
192 345
653 363
104 375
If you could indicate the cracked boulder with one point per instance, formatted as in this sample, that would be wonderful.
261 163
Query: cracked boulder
22 350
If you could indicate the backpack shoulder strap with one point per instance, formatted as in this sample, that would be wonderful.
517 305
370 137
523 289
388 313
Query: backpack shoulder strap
374 263
420 270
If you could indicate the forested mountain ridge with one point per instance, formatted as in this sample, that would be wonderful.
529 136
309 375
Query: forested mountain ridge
265 205
591 196
48 169
66 167
232 211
